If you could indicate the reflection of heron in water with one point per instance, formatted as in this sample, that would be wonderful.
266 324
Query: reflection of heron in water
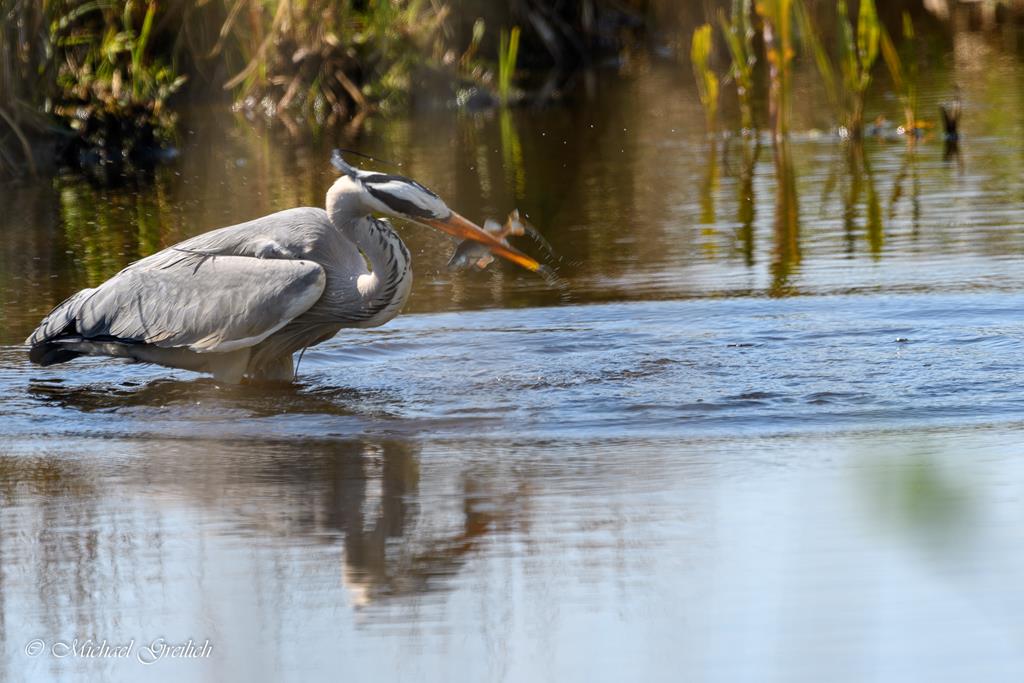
363 494
200 398
389 548
240 301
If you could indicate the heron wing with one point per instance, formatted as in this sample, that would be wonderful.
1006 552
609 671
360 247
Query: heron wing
199 301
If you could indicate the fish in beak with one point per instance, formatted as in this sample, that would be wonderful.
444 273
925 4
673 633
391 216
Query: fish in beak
460 227
470 254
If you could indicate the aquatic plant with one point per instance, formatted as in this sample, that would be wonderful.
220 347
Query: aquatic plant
904 75
86 69
22 51
110 91
857 57
104 71
739 39
857 52
323 60
508 54
777 32
707 80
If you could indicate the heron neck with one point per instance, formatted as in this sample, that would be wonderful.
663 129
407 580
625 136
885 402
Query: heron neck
352 219
384 286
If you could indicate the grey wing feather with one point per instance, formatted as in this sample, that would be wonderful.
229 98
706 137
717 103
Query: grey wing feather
60 319
292 234
220 303
219 291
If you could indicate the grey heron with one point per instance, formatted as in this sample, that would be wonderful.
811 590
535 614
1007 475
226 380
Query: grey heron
239 301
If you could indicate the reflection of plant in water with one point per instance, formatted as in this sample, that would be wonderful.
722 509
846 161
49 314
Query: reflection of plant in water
908 168
862 181
512 152
108 229
786 254
915 496
745 206
708 188
875 230
39 477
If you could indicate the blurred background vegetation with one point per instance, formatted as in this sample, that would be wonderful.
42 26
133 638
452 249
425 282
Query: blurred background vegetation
104 77
86 82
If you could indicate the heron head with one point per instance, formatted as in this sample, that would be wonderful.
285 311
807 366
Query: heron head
402 197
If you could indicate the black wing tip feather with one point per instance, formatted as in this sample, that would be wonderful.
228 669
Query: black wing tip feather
51 353
54 350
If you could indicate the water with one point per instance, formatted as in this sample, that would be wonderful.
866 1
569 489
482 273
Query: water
735 446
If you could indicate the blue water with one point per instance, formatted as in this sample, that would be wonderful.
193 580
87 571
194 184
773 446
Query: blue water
709 367
829 485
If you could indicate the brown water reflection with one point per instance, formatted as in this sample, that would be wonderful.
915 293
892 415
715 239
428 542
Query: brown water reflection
630 218
637 203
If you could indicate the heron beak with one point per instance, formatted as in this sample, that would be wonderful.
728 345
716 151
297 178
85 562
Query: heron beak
463 228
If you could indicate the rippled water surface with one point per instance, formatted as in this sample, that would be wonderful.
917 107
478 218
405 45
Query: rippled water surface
764 431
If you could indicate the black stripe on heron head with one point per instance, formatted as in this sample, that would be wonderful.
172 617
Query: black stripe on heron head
378 178
397 204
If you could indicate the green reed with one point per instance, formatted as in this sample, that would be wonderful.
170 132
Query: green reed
857 57
739 38
107 69
86 68
112 89
508 55
777 32
707 80
846 83
904 74
322 59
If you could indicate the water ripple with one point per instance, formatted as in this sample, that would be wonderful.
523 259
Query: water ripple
673 367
